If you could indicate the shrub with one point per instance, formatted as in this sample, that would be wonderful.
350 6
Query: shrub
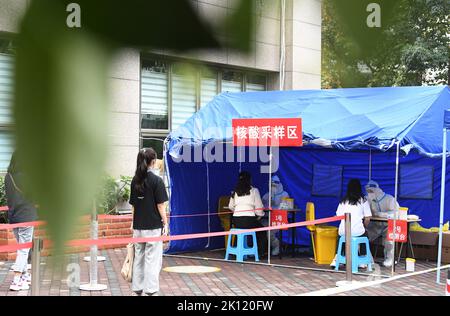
3 215
112 193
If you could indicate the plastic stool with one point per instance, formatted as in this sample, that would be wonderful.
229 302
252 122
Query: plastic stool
242 249
356 258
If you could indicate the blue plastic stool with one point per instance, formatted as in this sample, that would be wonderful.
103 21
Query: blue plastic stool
356 258
242 249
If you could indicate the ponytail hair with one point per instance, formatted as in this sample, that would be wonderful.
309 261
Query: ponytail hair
244 184
144 159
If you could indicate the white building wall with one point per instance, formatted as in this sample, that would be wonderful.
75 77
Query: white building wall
303 44
303 61
124 83
11 12
264 56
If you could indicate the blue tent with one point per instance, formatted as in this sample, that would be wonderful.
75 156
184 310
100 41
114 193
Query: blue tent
348 133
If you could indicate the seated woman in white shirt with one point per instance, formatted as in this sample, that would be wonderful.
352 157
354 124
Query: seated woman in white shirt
359 208
247 207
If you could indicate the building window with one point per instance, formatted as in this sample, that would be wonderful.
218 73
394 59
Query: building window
154 101
155 142
416 182
6 99
255 82
327 180
232 81
208 86
172 92
6 149
184 94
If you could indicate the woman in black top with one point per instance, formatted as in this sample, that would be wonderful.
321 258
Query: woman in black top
20 211
148 197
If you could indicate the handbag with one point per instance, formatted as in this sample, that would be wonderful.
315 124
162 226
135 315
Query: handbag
127 267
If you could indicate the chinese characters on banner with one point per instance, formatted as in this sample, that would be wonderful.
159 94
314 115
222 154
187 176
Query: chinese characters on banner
401 231
278 132
278 217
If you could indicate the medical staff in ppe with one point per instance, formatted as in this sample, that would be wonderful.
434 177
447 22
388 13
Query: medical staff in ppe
278 194
381 205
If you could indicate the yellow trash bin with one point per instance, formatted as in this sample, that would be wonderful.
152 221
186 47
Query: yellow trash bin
325 239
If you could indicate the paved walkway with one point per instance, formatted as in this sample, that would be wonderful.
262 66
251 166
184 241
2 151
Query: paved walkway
232 280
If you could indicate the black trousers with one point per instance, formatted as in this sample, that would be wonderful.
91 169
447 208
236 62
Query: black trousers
248 222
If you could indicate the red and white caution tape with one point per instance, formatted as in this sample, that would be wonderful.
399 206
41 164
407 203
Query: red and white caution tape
121 241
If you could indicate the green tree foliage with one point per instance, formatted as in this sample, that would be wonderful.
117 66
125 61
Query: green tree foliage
61 100
412 47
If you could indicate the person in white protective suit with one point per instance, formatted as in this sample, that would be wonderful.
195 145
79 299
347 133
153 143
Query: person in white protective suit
278 194
381 205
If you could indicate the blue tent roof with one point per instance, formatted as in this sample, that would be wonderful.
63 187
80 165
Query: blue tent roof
345 119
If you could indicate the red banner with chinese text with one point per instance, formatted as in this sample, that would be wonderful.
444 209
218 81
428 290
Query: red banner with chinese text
401 231
277 132
278 217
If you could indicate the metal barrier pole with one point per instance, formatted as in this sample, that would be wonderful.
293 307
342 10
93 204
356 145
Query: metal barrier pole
35 266
94 234
348 252
348 246
93 284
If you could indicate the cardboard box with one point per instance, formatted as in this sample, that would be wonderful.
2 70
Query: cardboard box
424 245
445 254
423 252
446 240
424 238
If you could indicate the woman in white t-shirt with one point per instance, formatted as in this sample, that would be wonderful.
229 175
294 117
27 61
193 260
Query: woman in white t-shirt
247 207
355 204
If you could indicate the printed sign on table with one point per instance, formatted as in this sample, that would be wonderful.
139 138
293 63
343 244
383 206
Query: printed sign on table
401 231
277 132
278 217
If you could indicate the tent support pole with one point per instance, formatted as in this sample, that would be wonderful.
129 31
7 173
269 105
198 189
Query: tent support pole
441 214
167 176
270 203
208 201
370 164
397 164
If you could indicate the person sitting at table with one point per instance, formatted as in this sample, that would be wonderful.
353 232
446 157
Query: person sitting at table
354 203
278 194
247 207
382 205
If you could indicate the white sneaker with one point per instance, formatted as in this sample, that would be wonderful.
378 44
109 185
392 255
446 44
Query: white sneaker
333 263
19 286
388 263
26 277
362 266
